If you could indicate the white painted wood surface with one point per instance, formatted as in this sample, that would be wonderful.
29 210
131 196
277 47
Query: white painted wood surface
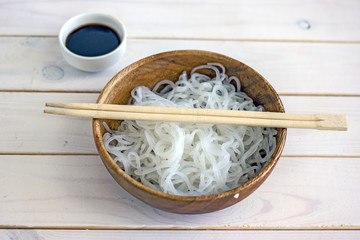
51 175
76 191
62 134
171 234
228 19
291 68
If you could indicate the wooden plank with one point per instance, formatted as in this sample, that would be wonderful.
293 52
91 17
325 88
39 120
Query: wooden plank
309 142
77 192
33 63
29 130
7 234
230 19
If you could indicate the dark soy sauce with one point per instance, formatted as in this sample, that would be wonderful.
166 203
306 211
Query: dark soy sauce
92 40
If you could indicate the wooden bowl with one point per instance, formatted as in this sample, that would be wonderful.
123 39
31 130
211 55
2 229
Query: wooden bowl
169 65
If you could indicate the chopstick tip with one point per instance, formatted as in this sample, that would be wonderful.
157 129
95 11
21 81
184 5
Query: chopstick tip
51 104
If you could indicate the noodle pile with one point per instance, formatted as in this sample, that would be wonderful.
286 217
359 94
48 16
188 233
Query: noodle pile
191 159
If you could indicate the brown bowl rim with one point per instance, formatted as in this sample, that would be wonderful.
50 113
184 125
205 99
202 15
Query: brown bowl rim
101 148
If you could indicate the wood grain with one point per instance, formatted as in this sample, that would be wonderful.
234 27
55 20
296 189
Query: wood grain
77 192
70 135
35 63
230 19
7 234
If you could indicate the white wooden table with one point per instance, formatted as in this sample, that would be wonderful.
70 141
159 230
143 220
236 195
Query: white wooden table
53 184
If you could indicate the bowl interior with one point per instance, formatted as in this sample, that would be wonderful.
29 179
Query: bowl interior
169 65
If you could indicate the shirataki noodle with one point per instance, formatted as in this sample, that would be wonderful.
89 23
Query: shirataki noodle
191 159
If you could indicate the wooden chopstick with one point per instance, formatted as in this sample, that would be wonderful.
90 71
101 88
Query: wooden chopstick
195 115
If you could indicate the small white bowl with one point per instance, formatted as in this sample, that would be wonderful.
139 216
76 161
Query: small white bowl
96 63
